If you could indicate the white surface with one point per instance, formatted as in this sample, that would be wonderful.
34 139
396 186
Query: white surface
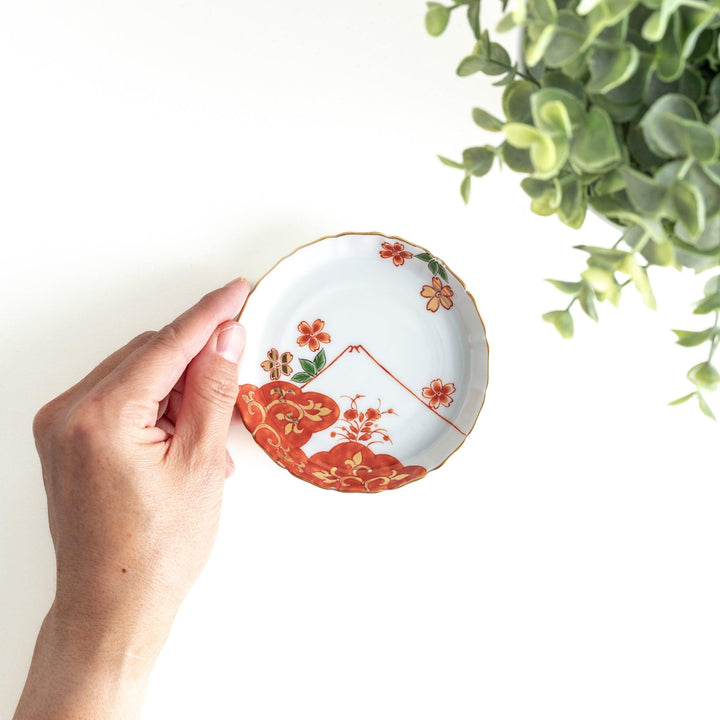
152 150
366 300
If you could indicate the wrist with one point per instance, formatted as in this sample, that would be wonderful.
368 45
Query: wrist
86 668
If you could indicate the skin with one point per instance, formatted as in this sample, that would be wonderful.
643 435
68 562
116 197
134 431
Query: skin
134 461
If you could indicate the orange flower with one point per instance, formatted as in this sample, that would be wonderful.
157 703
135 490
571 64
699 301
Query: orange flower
277 363
439 294
438 393
311 335
396 251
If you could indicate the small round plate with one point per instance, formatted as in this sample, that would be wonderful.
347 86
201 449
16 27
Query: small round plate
365 365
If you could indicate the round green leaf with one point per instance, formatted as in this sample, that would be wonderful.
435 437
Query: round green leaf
562 320
516 101
705 376
570 35
478 160
594 147
436 19
611 67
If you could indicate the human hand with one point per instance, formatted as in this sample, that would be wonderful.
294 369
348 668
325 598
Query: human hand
134 461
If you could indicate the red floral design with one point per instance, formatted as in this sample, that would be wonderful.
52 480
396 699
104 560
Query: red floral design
353 467
439 294
282 418
312 335
277 364
438 393
361 426
396 251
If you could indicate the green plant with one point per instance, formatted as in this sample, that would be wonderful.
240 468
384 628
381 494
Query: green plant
616 107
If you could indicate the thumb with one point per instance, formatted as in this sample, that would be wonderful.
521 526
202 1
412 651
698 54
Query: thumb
211 387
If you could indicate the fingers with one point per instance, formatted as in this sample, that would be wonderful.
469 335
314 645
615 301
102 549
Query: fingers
211 386
147 377
103 369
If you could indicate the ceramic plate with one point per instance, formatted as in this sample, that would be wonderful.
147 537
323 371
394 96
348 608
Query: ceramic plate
365 365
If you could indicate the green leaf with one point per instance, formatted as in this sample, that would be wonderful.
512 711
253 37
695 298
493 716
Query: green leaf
645 193
433 267
570 34
546 155
465 188
587 302
710 304
470 65
442 272
486 121
586 6
516 101
516 159
691 338
705 376
594 148
490 59
700 178
478 160
451 163
425 257
610 255
705 407
536 48
301 377
712 286
640 279
573 204
436 19
611 67
320 360
473 15
553 117
669 62
507 22
600 280
571 288
689 206
673 127
308 366
562 320
546 195
683 399
545 10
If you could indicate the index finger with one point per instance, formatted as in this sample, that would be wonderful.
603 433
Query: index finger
150 373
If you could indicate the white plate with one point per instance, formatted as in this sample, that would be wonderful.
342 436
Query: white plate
365 365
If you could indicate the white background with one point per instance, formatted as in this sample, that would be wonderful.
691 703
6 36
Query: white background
564 564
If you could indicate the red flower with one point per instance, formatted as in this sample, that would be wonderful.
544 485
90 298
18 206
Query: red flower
372 414
438 393
311 335
396 251
439 294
